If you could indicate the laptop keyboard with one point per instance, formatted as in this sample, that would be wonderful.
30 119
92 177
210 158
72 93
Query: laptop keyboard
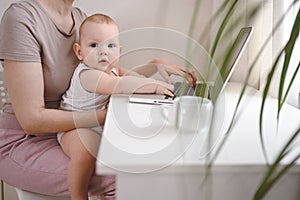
183 89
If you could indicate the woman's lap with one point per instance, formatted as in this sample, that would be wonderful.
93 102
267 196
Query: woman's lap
37 163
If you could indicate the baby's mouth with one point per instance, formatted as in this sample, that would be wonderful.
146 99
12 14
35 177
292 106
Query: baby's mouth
103 61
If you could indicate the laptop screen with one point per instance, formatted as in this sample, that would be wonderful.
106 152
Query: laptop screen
231 59
235 53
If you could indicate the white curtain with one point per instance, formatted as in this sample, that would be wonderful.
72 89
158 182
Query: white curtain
271 11
275 11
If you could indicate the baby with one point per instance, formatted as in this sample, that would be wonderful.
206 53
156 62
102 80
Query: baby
94 80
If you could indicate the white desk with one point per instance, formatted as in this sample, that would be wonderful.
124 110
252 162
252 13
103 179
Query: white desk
153 160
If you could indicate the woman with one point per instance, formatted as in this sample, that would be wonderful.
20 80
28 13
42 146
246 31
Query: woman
36 50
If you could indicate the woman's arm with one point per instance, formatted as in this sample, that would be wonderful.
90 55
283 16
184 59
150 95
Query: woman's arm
26 90
102 83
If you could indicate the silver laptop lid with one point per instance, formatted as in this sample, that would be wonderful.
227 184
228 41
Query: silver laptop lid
230 62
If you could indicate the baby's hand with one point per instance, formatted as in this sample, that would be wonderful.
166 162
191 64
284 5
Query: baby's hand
165 88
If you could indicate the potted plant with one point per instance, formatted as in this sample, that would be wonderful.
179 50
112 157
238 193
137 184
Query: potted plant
282 61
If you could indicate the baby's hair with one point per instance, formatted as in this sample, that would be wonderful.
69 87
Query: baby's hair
97 18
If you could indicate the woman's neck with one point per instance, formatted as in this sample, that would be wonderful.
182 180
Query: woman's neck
61 12
61 8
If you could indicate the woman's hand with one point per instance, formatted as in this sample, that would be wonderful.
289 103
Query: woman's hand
101 115
166 68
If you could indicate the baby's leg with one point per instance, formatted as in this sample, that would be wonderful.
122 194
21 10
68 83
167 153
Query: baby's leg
81 146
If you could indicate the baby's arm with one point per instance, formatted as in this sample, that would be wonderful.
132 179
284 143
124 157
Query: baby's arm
127 72
103 83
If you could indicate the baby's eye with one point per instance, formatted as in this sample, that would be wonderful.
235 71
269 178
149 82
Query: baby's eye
93 45
111 45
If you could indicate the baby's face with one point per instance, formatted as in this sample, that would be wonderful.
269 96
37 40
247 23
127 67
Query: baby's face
99 46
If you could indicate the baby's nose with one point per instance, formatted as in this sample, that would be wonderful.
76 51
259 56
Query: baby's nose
102 51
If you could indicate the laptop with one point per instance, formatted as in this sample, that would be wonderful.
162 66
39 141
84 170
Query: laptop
210 89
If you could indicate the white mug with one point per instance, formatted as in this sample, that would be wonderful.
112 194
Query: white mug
189 113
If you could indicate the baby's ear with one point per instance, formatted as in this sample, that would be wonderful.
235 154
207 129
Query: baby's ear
77 50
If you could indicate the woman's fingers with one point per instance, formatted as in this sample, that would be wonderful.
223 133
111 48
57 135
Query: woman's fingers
166 69
192 79
188 74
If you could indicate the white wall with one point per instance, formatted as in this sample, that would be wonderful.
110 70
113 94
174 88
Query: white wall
142 13
171 14
4 5
176 15
131 14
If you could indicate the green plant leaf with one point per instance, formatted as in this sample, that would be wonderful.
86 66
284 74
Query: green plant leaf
215 16
271 177
290 85
262 190
191 30
264 98
273 174
288 53
222 27
288 50
234 119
